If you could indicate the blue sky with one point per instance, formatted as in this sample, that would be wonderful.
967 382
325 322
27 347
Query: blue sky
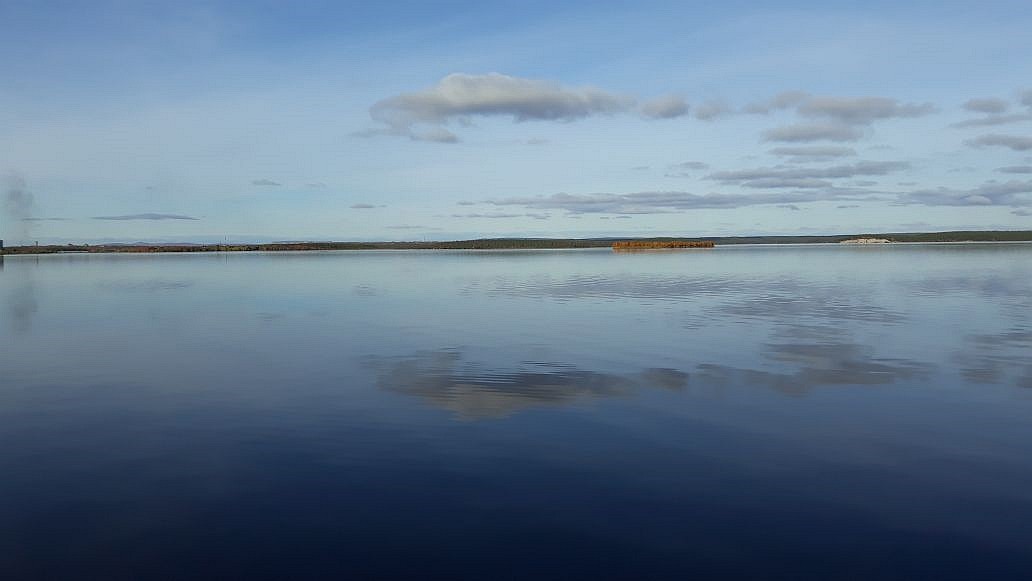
413 120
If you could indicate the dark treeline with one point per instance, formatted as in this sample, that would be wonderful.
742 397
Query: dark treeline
527 243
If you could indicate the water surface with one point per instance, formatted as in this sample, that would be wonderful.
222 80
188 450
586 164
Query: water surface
743 412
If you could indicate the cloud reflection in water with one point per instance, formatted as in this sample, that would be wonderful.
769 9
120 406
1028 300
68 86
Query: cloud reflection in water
441 379
815 365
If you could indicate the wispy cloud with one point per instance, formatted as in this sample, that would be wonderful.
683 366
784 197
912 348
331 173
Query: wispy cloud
993 120
809 153
1015 142
1015 169
711 110
146 217
861 110
1013 193
778 102
537 216
684 169
362 206
265 182
806 132
667 202
666 107
805 177
986 105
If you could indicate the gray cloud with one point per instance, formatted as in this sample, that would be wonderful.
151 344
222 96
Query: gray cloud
861 110
807 153
666 107
434 135
987 105
146 217
669 202
1014 142
862 168
696 165
316 185
1026 97
779 102
806 132
1015 169
460 96
1013 193
362 206
1022 212
835 118
411 227
465 203
44 219
265 182
711 110
993 120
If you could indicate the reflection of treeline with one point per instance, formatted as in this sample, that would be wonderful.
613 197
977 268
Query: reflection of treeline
648 244
530 243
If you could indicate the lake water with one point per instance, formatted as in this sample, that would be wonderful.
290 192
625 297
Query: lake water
743 412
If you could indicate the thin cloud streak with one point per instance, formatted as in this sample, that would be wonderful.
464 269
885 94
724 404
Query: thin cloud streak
146 217
665 202
1012 194
986 105
862 168
807 132
1015 142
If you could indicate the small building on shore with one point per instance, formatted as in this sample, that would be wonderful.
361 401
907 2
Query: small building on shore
866 241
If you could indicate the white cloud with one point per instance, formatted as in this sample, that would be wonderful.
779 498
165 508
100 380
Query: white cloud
460 96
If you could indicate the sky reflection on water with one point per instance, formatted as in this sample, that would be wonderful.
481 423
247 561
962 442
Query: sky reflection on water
814 411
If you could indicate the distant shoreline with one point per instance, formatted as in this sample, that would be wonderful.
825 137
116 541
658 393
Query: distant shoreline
521 243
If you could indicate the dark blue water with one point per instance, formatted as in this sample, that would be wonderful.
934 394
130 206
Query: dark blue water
745 412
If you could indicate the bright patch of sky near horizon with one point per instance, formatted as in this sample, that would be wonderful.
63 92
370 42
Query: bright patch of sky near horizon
405 120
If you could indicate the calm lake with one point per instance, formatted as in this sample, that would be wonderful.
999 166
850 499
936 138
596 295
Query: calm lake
823 412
